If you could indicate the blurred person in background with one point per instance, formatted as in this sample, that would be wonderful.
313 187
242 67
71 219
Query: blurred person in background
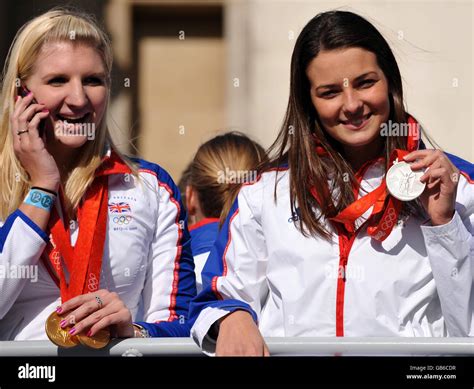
212 180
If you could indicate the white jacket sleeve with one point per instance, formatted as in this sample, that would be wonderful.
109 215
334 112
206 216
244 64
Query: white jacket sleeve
21 244
234 276
450 249
245 260
170 281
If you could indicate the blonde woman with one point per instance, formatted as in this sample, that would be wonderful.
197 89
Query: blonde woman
214 177
106 235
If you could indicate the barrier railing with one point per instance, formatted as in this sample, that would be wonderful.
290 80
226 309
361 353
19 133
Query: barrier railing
302 346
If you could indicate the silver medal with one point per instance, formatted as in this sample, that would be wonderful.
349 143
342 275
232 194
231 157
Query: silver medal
403 183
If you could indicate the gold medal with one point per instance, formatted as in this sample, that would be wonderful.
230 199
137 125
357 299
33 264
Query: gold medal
60 337
99 340
83 260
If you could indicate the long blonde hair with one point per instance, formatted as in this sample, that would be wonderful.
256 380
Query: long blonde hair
56 25
220 167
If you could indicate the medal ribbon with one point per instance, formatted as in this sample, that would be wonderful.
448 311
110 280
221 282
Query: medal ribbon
84 260
376 198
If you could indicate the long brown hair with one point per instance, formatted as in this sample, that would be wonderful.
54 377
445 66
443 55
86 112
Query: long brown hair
220 167
295 143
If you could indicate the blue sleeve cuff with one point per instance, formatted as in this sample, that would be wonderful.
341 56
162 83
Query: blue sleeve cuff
33 225
232 305
9 223
243 308
167 329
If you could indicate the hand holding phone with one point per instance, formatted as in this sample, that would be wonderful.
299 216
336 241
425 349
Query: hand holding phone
29 145
23 91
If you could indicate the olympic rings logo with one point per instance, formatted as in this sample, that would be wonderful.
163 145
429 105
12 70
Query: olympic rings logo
93 283
56 258
122 219
389 220
379 235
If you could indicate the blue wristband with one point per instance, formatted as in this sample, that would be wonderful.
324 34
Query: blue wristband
40 199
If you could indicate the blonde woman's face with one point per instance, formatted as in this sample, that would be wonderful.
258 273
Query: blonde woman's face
70 79
350 94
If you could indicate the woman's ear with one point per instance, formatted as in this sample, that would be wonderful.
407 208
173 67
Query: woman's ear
191 200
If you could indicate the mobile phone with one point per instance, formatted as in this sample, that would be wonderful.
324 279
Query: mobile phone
23 91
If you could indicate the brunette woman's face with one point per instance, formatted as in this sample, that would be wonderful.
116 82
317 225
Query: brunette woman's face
70 79
350 94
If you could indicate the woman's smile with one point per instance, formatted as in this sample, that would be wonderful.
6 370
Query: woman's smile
358 123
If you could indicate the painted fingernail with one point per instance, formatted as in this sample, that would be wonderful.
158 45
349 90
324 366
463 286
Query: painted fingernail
17 98
45 110
29 93
89 333
59 309
63 323
72 331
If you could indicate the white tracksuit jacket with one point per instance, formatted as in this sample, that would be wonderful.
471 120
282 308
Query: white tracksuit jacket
147 260
418 282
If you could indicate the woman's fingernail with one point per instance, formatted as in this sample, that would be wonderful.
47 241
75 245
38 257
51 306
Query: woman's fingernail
29 93
17 98
72 331
59 309
45 110
89 333
63 323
